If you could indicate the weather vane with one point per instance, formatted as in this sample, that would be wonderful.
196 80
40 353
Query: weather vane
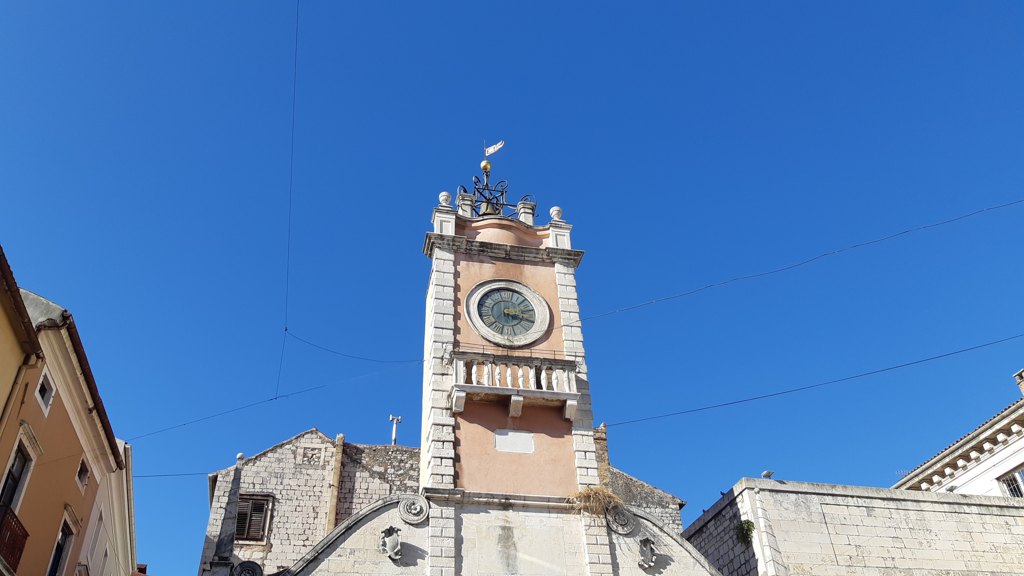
490 198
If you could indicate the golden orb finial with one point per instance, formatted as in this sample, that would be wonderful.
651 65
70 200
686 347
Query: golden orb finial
485 165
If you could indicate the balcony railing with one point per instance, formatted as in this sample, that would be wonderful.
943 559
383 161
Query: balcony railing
521 379
521 372
12 538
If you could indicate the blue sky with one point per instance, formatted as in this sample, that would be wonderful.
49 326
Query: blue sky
144 171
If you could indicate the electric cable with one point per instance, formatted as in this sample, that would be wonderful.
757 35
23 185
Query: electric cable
291 188
798 264
819 384
351 356
225 412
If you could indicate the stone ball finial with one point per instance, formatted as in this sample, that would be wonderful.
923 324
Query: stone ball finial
239 457
444 198
555 212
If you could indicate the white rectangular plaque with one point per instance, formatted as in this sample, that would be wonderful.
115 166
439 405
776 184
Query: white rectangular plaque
513 441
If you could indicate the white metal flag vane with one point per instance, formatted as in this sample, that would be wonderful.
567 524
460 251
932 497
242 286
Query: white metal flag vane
492 149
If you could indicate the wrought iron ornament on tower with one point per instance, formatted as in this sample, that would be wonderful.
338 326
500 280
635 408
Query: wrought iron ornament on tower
491 199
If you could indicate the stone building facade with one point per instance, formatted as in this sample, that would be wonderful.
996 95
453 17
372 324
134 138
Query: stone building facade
987 461
510 477
829 530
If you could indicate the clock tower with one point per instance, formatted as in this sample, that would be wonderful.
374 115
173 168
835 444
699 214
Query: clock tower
505 392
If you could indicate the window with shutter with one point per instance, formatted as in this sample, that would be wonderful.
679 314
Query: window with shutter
251 523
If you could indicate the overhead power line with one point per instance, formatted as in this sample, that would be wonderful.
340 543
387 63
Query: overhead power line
291 186
799 264
170 475
225 412
351 356
256 403
712 285
819 384
690 410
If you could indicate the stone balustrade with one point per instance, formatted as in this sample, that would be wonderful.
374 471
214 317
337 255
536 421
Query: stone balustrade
522 379
521 372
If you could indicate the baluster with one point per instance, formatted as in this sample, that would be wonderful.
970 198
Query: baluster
508 374
488 378
460 371
572 380
519 380
557 380
473 378
544 378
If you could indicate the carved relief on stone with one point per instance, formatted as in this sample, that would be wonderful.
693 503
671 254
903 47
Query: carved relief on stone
648 554
247 568
620 520
391 543
413 509
312 456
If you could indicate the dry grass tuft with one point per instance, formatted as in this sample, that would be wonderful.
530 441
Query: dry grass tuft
594 500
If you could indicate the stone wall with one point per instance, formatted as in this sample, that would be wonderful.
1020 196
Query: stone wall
829 530
673 555
369 473
297 474
357 551
641 495
634 492
523 541
718 539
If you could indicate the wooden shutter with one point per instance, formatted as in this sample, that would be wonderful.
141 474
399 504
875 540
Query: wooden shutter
242 522
257 517
252 517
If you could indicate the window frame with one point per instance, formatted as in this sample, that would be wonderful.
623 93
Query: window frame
1018 478
264 532
19 493
62 564
78 474
45 405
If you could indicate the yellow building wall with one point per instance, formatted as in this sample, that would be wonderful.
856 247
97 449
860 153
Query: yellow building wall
11 354
52 480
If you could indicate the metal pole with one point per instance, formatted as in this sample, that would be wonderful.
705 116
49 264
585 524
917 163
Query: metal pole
395 421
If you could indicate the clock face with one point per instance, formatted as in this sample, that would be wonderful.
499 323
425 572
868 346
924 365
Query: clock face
506 312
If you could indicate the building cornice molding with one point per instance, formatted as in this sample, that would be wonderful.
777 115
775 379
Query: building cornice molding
1003 429
463 245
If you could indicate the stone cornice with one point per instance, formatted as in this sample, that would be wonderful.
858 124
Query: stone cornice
464 245
986 440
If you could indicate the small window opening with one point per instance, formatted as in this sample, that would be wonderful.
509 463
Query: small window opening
1013 485
83 474
253 512
44 393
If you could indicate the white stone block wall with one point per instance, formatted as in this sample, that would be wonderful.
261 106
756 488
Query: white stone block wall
672 558
437 457
357 552
523 541
831 530
298 475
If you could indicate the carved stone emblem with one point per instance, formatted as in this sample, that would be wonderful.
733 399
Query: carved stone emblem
413 509
312 456
248 568
620 520
391 543
648 554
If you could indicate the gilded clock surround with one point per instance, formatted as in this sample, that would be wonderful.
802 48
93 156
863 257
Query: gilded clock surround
540 307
